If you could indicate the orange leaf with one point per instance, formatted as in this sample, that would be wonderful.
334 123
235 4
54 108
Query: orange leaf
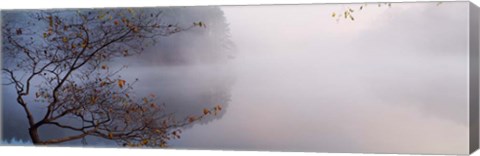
206 111
121 83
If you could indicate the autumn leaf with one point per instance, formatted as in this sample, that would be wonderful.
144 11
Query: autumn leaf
192 119
153 105
121 83
144 141
115 22
84 44
131 11
217 109
93 99
110 135
135 29
50 21
334 14
104 67
206 111
103 83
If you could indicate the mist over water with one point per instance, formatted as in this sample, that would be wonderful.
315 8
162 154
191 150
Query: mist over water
394 80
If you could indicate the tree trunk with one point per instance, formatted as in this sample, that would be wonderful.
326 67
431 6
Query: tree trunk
33 131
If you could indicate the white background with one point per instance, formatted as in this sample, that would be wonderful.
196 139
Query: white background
28 4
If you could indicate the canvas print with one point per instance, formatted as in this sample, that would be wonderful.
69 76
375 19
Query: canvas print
356 78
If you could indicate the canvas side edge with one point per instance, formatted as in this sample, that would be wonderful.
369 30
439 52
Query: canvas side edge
473 81
1 90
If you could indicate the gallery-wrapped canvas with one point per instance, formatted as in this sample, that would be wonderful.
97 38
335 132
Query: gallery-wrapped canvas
357 78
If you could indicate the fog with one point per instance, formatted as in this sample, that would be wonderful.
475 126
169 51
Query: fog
392 81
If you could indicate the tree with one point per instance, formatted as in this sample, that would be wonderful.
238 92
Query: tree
60 59
348 12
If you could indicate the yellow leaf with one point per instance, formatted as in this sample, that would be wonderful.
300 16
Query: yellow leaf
334 14
101 16
50 21
121 83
